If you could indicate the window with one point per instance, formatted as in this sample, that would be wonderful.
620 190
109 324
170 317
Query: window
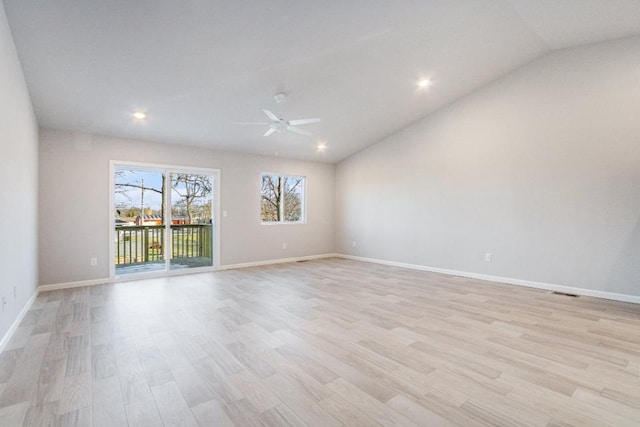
282 198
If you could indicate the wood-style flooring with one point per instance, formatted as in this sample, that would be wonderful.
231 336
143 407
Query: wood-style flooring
321 343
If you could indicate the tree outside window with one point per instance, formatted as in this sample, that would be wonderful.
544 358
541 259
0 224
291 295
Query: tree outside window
282 198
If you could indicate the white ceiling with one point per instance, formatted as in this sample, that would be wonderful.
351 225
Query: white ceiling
197 66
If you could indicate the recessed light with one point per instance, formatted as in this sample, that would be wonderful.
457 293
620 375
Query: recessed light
424 83
321 147
139 115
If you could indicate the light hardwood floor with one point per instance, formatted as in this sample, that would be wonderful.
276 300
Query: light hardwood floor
321 343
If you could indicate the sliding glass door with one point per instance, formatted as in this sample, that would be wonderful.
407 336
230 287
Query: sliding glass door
164 219
191 220
139 220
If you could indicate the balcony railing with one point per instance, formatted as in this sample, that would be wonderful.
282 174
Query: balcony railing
145 243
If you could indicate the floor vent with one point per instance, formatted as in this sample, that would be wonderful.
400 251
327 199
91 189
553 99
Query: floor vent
303 260
566 294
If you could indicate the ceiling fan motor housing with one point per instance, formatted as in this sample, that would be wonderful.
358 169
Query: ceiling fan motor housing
279 126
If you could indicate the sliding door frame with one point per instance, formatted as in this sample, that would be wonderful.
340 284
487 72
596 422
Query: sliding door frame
167 169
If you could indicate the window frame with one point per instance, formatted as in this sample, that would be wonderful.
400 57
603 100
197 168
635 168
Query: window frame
303 200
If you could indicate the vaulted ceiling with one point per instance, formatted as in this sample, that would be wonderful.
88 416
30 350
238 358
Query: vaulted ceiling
197 66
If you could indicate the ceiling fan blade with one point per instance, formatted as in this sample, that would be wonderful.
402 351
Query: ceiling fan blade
298 130
271 115
251 123
303 122
269 132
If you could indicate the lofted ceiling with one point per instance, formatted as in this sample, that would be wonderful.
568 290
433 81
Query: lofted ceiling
197 66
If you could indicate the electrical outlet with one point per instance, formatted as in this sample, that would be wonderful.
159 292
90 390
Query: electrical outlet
284 245
487 257
353 244
94 262
224 213
15 292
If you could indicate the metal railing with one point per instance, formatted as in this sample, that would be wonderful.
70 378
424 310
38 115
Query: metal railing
145 243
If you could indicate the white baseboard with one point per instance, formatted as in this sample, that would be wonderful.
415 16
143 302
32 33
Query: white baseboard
277 261
80 283
12 329
67 285
519 282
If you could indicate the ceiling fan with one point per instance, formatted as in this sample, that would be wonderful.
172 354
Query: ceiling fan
278 124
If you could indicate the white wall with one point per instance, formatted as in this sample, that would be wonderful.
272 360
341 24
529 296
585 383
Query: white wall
74 202
540 168
19 189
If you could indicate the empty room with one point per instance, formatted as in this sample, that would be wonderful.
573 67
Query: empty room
320 213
